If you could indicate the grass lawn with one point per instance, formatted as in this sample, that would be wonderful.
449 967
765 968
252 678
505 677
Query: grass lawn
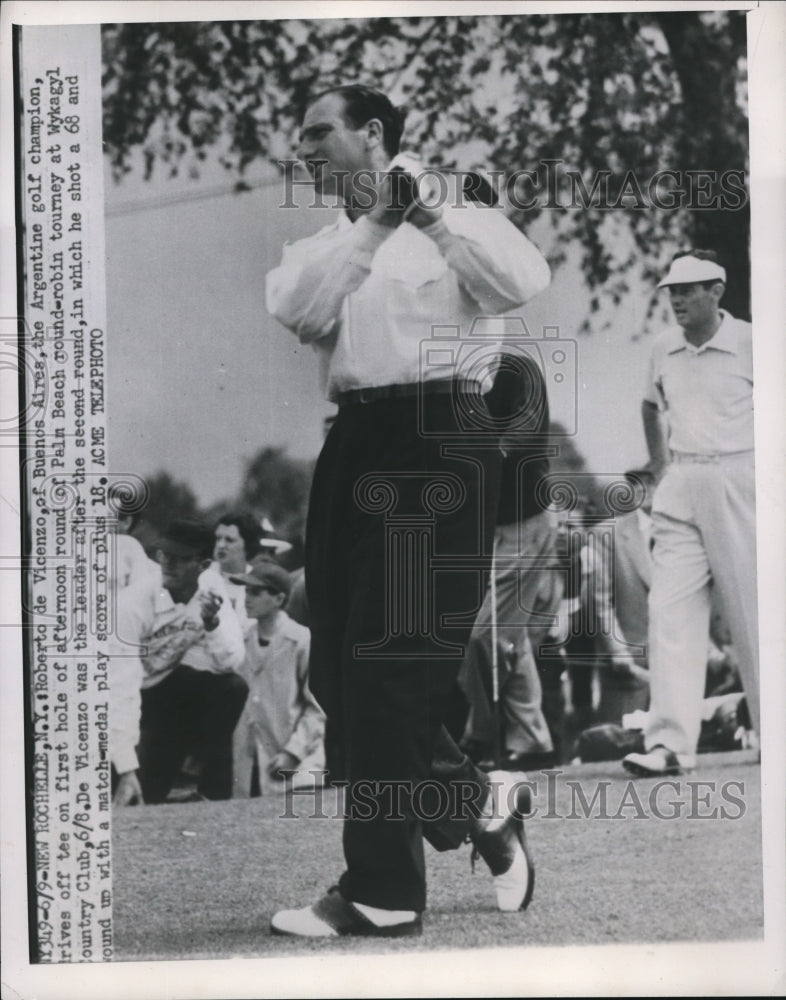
201 880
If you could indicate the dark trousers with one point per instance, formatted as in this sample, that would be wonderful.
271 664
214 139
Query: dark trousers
398 549
189 712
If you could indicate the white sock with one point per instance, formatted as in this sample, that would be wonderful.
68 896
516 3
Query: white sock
384 918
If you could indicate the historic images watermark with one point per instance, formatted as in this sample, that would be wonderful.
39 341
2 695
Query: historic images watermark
551 796
552 185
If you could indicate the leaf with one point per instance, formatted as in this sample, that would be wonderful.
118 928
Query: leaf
625 91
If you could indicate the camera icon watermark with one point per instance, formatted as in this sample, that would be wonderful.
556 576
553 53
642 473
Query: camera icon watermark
505 379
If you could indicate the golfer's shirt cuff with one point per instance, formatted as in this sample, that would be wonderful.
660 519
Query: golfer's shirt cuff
368 238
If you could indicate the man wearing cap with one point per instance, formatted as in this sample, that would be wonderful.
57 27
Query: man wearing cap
180 642
698 423
280 734
368 292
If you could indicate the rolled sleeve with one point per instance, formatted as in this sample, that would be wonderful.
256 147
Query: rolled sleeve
307 291
495 263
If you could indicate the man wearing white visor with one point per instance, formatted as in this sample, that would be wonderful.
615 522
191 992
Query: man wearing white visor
698 423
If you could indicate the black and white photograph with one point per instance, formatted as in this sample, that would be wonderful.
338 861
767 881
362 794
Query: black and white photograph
393 481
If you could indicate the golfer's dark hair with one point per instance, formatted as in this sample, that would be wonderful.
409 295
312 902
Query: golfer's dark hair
249 529
701 255
361 104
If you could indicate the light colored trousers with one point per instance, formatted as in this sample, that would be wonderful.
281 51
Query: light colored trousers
528 591
704 522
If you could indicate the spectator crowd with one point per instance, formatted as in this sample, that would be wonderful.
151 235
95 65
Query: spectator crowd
611 633
210 690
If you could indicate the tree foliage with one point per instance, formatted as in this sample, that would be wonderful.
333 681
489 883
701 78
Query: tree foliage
167 499
629 93
274 486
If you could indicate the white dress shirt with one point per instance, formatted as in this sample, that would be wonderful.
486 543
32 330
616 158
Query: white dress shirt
368 296
154 635
131 563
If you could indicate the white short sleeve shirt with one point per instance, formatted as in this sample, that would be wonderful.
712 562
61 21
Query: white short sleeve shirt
705 392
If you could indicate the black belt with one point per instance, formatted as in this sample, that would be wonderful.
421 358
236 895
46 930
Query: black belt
436 387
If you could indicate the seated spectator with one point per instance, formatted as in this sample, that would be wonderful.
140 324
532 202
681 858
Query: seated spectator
281 731
179 692
617 590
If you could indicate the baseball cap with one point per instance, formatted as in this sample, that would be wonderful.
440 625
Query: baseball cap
186 538
264 573
688 269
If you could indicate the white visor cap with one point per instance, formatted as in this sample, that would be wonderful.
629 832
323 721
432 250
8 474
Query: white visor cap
687 270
